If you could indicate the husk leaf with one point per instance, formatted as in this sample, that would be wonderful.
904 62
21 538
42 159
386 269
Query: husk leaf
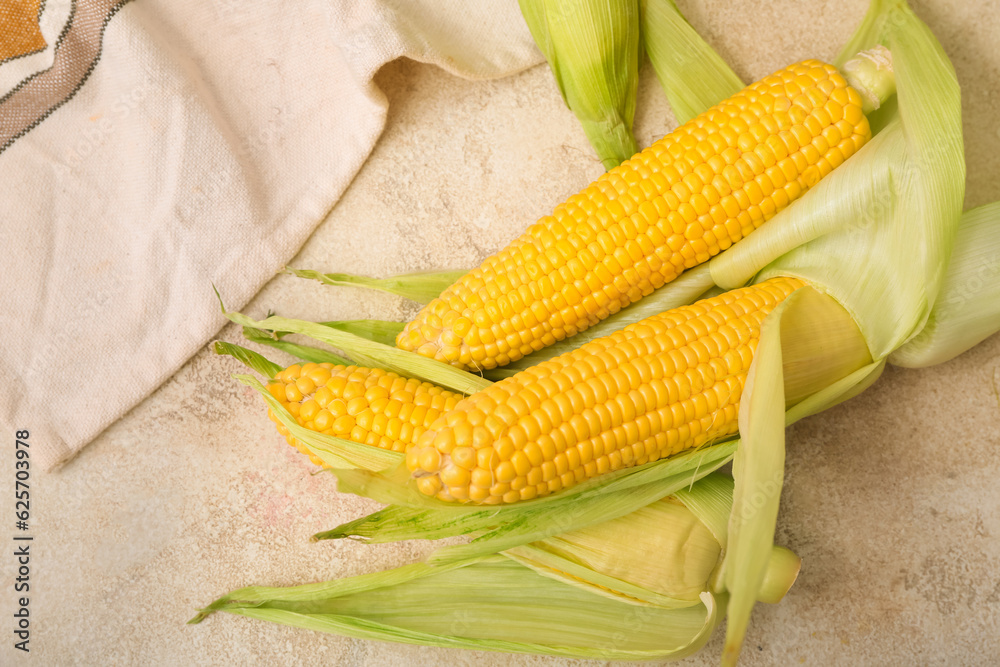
876 233
711 500
490 604
421 286
249 358
660 554
411 515
820 342
758 469
369 353
379 331
968 307
869 33
572 573
305 352
692 74
592 47
835 393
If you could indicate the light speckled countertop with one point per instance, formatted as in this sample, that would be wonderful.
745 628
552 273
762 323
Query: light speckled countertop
890 499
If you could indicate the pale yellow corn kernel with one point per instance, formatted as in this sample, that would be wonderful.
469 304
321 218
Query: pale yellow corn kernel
343 425
429 459
319 376
305 385
429 485
323 420
669 383
277 389
353 389
309 410
453 476
292 393
676 204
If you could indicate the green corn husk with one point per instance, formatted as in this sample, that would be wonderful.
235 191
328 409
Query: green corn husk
593 50
490 604
411 515
379 331
249 358
369 353
577 594
967 310
421 287
757 469
674 535
691 73
305 352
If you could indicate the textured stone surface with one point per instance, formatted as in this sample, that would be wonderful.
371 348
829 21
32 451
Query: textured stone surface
890 499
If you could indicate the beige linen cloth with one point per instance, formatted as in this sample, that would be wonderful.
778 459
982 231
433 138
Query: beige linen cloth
150 149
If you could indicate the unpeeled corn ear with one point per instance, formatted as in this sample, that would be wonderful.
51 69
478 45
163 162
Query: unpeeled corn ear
577 594
593 49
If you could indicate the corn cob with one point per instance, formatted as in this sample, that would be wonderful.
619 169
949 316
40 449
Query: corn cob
668 383
674 205
365 405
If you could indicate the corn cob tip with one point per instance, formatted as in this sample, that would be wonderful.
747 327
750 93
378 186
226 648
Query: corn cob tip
870 73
